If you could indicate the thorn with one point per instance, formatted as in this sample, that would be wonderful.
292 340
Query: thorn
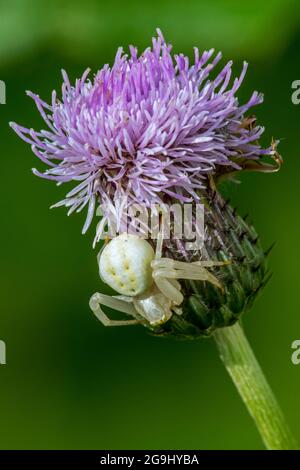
268 272
245 217
256 268
267 252
263 284
266 280
242 235
226 202
255 240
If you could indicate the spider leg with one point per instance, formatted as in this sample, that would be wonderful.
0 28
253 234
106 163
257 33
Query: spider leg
117 303
173 264
211 263
169 268
175 283
168 287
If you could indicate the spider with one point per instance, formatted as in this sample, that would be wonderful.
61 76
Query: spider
147 282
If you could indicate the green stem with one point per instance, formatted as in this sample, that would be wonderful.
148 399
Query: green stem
240 362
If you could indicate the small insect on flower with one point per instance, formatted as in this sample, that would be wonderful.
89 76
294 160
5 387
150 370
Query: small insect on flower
148 283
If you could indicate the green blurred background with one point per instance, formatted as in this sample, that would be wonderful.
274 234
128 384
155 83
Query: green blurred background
69 383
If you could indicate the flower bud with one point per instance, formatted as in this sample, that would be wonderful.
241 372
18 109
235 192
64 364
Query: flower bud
206 307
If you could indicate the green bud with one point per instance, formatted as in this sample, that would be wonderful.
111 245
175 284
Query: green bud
206 307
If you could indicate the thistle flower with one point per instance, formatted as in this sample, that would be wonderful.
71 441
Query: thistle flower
150 127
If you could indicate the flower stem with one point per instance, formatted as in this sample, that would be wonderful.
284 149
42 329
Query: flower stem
243 368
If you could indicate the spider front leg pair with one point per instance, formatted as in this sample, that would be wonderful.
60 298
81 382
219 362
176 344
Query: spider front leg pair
148 283
167 269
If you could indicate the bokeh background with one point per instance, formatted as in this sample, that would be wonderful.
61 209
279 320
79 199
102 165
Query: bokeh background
69 383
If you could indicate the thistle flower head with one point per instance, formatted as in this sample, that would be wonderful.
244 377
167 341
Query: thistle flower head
148 128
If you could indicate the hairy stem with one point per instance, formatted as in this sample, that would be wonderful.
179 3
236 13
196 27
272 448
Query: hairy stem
240 362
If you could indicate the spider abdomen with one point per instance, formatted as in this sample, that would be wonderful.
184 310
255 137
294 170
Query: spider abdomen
125 264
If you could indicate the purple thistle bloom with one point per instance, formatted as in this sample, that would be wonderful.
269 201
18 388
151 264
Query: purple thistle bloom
148 128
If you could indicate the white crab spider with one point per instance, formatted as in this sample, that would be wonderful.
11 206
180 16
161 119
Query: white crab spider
147 283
